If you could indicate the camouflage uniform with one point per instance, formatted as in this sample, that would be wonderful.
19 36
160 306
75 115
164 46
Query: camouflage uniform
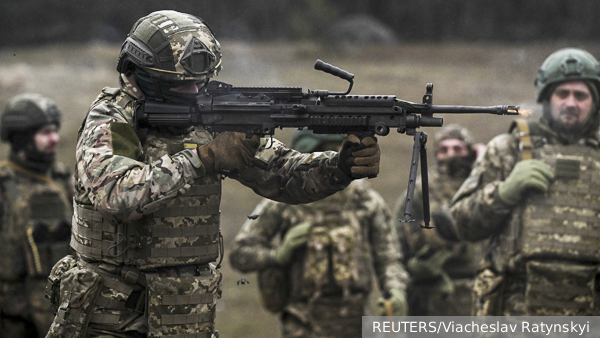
448 293
326 286
527 261
146 224
36 208
545 250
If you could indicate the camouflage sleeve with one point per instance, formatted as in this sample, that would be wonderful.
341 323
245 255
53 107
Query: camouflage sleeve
110 175
287 176
252 245
476 209
385 246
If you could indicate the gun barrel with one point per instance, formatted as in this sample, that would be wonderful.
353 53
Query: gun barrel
496 110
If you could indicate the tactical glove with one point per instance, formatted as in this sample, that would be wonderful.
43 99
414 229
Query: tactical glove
527 174
359 158
294 238
229 153
393 303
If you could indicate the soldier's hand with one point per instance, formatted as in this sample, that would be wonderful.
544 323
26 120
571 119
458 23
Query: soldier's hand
359 158
229 153
526 175
393 303
295 237
428 266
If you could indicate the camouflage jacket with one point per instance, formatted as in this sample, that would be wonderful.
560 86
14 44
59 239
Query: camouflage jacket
477 210
375 249
112 176
442 187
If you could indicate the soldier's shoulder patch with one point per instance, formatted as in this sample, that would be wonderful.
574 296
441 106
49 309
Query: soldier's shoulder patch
124 140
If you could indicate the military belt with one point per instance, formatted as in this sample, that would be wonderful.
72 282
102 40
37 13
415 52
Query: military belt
190 251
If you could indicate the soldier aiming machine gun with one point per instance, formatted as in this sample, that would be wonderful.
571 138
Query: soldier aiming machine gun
261 110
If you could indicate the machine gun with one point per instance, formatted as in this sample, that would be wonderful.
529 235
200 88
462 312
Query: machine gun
261 110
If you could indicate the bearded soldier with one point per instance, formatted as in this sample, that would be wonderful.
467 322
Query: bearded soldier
536 194
441 271
146 222
318 278
35 202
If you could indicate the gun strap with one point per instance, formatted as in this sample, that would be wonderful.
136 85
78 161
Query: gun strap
525 144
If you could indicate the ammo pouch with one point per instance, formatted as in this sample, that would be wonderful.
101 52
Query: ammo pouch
274 287
53 286
78 291
560 289
487 293
183 305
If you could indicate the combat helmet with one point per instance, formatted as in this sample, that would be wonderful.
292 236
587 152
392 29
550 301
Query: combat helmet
567 64
171 46
305 141
26 113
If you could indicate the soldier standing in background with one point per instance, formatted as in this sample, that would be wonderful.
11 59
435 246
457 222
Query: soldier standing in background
441 272
536 194
318 278
146 223
35 206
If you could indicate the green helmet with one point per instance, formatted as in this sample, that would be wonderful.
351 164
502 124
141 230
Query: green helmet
26 113
305 141
568 64
171 46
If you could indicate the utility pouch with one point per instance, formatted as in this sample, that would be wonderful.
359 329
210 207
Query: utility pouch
79 288
274 287
53 285
487 293
184 305
560 289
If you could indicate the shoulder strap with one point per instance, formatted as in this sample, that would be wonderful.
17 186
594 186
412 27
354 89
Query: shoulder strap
525 144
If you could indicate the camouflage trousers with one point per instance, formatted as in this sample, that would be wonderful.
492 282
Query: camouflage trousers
103 300
325 317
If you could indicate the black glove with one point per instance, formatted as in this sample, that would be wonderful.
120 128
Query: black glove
359 158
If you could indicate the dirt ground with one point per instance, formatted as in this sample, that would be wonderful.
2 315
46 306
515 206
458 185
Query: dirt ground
462 74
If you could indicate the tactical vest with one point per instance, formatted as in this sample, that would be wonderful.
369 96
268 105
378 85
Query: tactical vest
36 213
184 232
563 222
337 256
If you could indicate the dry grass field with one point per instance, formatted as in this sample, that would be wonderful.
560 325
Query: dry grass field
463 74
